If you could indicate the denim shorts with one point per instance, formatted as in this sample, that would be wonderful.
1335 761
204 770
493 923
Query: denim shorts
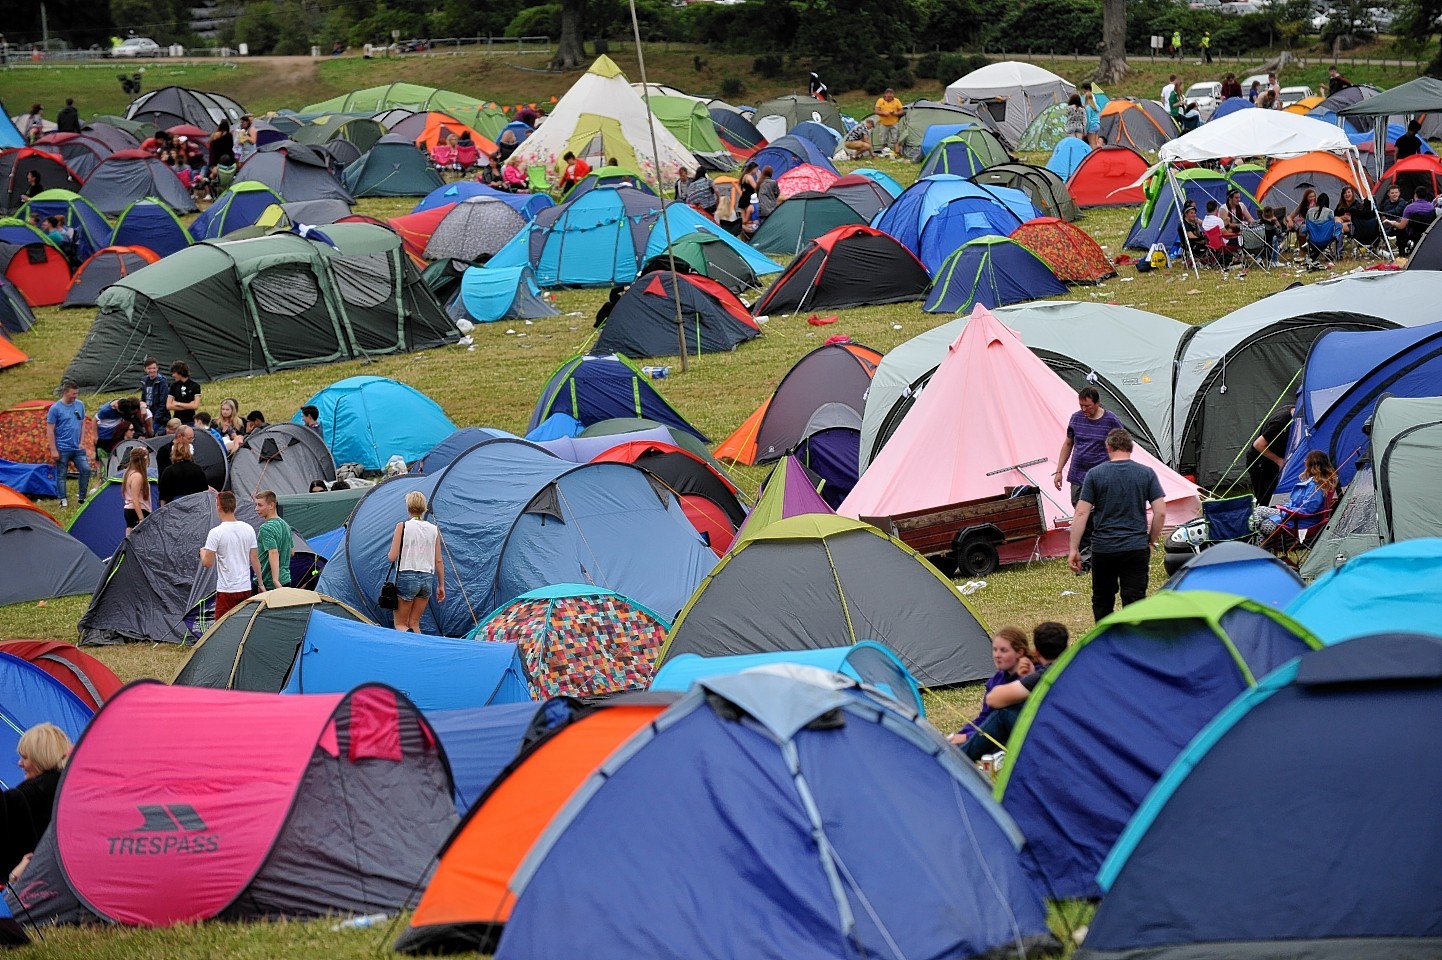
414 584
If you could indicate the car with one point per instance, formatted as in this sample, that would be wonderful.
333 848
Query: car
1206 95
1213 5
136 47
1240 7
1291 95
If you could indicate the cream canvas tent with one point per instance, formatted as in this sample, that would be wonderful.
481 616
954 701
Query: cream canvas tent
601 118
1023 90
1015 412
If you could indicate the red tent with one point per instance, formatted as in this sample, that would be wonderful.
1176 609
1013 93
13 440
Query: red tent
38 270
708 499
89 679
1418 170
1105 176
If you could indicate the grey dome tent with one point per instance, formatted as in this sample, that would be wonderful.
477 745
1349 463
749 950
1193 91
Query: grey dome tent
130 175
475 228
295 171
391 168
43 561
775 118
282 457
207 451
172 106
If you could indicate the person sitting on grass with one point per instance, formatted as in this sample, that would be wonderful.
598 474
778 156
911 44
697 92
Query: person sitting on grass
1007 699
1012 656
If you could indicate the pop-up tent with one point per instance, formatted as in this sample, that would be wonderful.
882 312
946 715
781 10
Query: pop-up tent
367 420
597 388
1392 588
282 458
1140 125
80 673
31 696
38 271
643 322
705 253
801 219
16 166
939 213
1286 180
46 562
256 806
711 502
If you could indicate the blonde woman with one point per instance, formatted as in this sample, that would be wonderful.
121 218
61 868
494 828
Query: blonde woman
135 488
25 810
416 550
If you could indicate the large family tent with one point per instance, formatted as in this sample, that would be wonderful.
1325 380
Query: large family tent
38 270
990 272
150 223
1391 497
1068 250
850 266
392 168
100 523
1239 568
689 122
1016 408
1286 180
1140 125
513 518
239 206
360 132
488 294
711 502
787 153
717 777
31 696
130 175
282 458
815 581
80 673
1045 190
577 640
1107 177
601 118
367 420
1068 156
1349 835
1392 588
643 322
474 229
1012 92
597 388
939 213
862 194
16 167
774 118
1233 373
705 253
801 219
484 116
256 806
104 267
92 230
172 106
295 171
1080 761
232 308
255 645
1159 220
45 561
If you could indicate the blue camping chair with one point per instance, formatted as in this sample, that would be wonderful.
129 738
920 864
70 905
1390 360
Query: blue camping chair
1323 236
1228 519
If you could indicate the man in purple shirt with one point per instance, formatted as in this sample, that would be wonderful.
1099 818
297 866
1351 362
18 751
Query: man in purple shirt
1086 446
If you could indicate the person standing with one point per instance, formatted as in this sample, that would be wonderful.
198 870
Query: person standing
64 423
135 487
1410 143
1166 98
1206 46
184 397
416 551
231 549
1177 44
273 541
889 111
1114 500
1085 446
245 139
68 119
1269 448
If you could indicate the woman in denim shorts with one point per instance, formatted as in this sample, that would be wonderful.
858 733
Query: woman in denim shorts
416 544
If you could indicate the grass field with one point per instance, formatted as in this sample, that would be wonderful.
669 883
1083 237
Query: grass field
497 384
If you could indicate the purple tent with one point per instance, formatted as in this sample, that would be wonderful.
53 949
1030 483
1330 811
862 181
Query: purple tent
789 491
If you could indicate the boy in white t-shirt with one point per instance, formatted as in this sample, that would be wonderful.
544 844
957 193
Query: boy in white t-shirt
231 548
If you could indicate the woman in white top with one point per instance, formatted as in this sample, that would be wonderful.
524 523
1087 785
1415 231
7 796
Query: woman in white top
416 546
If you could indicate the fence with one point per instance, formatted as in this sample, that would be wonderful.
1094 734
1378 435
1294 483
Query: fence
19 55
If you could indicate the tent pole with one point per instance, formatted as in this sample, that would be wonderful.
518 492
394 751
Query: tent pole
1177 204
1355 163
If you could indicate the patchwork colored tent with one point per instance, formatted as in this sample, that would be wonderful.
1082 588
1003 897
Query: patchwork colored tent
1286 180
104 267
597 388
367 420
22 433
488 294
80 673
100 523
711 502
392 168
1070 253
847 582
33 696
786 153
1141 125
577 640
1068 157
1202 861
47 561
249 809
151 224
863 194
643 322
295 171
1045 190
1393 588
130 175
16 166
282 458
1105 178
850 266
1241 569
990 272
92 230
37 270
800 220
1078 765
703 252
474 230
239 206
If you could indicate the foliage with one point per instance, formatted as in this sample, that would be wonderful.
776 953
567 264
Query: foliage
164 21
732 87
770 66
540 21
1419 21
1349 22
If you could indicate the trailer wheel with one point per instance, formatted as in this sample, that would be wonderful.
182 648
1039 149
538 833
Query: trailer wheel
976 557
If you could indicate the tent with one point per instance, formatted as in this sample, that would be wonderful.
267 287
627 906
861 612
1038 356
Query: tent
710 502
246 306
790 490
643 322
1140 125
815 581
149 223
15 168
100 522
705 253
312 514
10 135
239 206
1046 191
294 171
1068 251
1288 179
939 213
638 428
784 154
802 218
689 121
488 294
130 175
46 562
922 115
282 458
513 518
117 133
826 139
254 646
1234 372
990 272
92 230
1202 861
804 178
32 479
1159 221
17 231
484 116
481 742
81 154
777 117
172 106
103 268
392 168
847 267
1079 763
10 355
427 130
367 420
737 132
1231 105
1418 170
448 450
597 388
1068 156
15 314
80 673
953 155
22 433
252 808
209 454
527 203
609 176
1046 130
1106 177
1017 407
863 194
1393 588
1427 251
361 132
1014 93
1241 569
474 229
37 270
577 640
33 696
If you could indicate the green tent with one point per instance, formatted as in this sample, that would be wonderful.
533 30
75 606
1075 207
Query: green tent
361 131
690 122
802 218
706 254
311 514
232 308
391 168
480 115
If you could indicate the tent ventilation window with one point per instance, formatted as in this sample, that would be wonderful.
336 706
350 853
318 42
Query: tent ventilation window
286 290
364 280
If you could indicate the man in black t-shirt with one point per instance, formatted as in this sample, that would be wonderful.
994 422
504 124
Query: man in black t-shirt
1269 448
1409 143
184 397
1115 496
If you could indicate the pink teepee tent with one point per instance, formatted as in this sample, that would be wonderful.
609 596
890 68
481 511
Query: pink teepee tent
992 404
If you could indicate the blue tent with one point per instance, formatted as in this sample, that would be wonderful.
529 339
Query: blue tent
1116 709
868 662
528 203
100 524
1067 156
240 206
939 213
740 824
29 695
326 544
826 140
10 135
993 272
953 155
1247 176
593 389
938 132
558 426
889 183
788 152
437 673
443 454
1395 588
367 420
1232 105
1242 569
1346 374
1159 221
92 229
31 479
481 742
608 177
20 232
491 293
513 518
1266 840
150 223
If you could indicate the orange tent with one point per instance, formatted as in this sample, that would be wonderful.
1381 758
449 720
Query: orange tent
10 355
10 497
415 229
1325 172
439 126
468 898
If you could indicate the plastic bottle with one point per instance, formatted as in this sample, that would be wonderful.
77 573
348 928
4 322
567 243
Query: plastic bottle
362 923
656 373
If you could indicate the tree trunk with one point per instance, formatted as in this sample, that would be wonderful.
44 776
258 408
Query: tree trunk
1114 43
570 52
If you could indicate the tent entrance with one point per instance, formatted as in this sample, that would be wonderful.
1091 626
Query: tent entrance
598 139
292 318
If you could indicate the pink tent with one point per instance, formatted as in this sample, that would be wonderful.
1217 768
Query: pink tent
805 177
992 404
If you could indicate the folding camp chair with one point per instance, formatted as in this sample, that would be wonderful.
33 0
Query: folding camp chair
1217 252
1254 248
1323 240
1365 238
537 179
1416 226
1229 518
443 157
1296 533
467 157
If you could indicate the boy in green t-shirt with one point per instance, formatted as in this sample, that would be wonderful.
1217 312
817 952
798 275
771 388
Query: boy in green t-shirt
273 541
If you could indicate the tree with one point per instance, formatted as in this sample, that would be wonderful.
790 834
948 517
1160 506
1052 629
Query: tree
1114 43
1419 20
570 51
